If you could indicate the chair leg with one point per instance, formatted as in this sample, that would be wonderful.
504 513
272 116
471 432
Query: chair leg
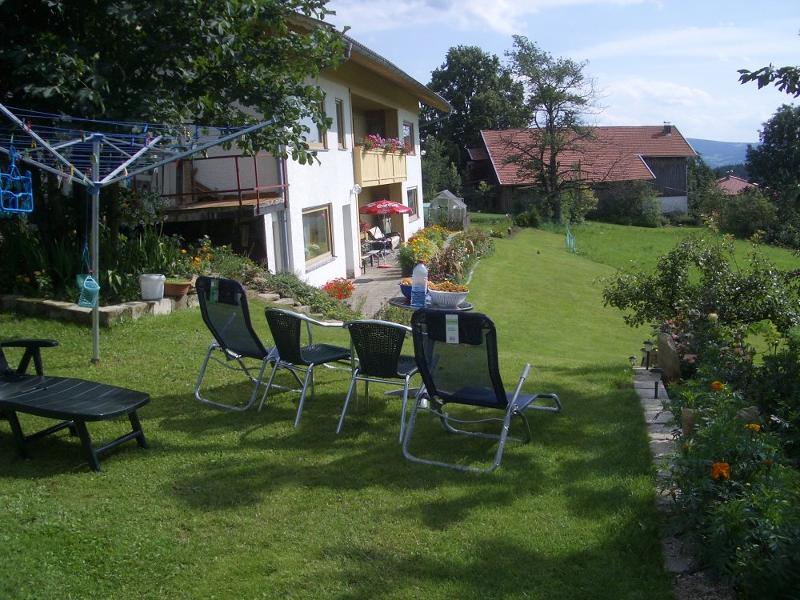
86 442
403 409
269 384
353 383
201 375
19 437
309 377
136 426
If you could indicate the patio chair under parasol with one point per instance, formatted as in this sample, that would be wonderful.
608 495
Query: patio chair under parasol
385 208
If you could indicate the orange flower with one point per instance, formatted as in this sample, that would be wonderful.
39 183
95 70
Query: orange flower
720 470
753 427
717 386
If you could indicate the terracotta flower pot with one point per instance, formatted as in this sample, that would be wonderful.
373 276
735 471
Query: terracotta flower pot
177 289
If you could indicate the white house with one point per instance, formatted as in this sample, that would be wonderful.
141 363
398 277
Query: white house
305 218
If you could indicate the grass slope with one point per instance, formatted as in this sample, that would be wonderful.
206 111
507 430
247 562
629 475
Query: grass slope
243 505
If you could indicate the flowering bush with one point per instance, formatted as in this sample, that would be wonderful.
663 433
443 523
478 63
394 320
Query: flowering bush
339 288
417 249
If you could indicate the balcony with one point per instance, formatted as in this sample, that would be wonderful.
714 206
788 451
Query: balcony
378 167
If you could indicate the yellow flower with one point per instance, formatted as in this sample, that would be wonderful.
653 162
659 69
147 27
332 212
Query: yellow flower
183 250
717 386
720 470
753 427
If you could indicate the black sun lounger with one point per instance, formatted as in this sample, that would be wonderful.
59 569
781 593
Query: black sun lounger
72 401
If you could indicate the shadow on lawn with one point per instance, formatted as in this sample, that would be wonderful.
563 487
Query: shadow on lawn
237 460
598 434
504 566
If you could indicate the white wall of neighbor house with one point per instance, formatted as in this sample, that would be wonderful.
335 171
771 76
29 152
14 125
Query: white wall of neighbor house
674 204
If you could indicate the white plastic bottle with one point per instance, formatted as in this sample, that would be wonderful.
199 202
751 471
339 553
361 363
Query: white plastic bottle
419 285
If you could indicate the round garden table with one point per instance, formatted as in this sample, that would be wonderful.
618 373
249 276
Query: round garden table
402 302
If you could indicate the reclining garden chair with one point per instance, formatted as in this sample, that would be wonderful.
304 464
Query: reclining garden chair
377 345
382 241
223 305
286 327
74 402
456 353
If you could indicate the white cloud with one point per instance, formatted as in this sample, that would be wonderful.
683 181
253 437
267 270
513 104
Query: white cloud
501 16
719 115
719 43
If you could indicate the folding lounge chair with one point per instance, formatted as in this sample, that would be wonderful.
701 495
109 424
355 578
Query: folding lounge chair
73 401
377 345
223 305
286 328
456 354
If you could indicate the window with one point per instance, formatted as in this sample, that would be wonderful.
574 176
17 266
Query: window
408 137
316 138
317 234
340 124
413 203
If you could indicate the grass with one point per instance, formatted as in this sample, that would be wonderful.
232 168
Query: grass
243 505
620 246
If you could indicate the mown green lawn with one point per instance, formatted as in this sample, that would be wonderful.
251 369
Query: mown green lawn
621 246
229 505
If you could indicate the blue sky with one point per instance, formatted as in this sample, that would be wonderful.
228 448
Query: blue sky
651 61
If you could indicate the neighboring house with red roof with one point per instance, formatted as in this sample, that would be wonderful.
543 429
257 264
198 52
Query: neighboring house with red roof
658 154
731 185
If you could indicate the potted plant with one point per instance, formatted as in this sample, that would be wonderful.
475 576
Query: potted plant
177 287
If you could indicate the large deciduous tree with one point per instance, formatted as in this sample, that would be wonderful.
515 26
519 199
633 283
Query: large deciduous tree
775 166
559 95
775 163
483 95
173 61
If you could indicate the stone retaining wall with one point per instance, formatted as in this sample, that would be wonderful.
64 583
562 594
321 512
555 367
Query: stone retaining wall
109 315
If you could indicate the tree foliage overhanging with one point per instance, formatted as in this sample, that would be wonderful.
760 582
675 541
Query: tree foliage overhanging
171 61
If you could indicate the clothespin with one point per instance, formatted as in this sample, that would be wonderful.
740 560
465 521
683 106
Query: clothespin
71 171
83 136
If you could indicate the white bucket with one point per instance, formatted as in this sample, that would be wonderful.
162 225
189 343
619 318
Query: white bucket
152 286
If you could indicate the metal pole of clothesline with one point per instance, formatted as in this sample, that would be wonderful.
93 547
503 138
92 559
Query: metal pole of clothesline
95 250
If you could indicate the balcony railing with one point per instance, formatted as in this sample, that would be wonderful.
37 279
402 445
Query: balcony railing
378 167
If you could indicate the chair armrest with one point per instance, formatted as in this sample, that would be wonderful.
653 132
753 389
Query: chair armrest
33 351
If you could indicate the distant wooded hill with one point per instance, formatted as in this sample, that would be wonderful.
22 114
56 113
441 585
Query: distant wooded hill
718 154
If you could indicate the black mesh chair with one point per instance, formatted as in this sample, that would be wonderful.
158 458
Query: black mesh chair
377 345
456 354
286 327
223 304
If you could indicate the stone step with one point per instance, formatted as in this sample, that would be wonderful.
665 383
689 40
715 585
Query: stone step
269 296
284 302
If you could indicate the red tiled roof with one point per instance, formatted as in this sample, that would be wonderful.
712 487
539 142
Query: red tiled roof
732 185
477 153
611 154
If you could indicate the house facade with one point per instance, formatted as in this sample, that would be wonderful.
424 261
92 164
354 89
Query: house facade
656 154
305 219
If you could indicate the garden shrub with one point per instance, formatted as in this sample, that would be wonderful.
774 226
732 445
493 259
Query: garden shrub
627 203
577 203
528 218
735 471
421 247
744 214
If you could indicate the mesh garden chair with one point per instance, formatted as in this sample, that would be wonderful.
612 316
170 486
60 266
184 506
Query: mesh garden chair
456 354
286 327
377 345
223 304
